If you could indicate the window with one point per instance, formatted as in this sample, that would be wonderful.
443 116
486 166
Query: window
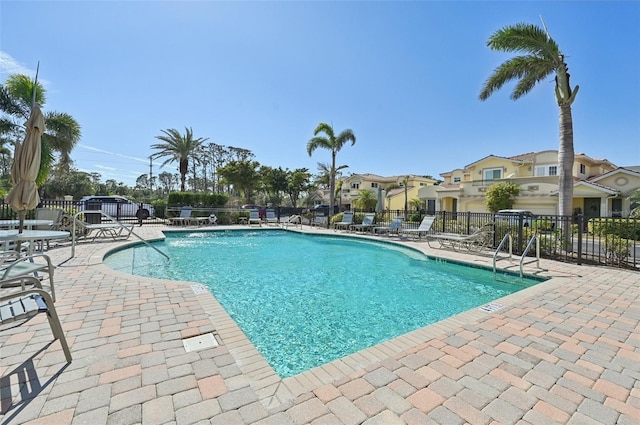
374 185
583 169
355 185
546 170
456 179
493 173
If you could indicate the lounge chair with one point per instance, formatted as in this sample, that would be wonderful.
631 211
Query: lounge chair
213 219
475 241
23 268
27 303
347 220
367 223
254 217
183 219
423 229
319 220
393 227
271 217
53 214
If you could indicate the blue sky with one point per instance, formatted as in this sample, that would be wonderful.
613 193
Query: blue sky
404 76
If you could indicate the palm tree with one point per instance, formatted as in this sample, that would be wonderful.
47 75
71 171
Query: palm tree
542 58
62 130
333 143
405 183
180 148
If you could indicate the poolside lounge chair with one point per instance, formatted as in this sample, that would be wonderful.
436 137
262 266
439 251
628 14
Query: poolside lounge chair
367 223
254 217
393 227
347 220
271 217
53 214
475 241
23 268
213 219
183 219
27 303
319 220
423 229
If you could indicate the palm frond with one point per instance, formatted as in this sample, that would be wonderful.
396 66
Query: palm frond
524 38
520 67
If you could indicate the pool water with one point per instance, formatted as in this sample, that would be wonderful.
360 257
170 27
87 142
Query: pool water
305 300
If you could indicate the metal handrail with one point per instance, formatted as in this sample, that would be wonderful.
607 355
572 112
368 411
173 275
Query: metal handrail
535 239
113 220
495 254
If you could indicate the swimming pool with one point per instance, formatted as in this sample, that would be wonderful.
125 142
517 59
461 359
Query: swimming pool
305 300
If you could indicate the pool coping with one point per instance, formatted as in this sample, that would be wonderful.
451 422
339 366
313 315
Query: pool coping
278 393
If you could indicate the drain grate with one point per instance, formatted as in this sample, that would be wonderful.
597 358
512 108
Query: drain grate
491 307
199 289
200 342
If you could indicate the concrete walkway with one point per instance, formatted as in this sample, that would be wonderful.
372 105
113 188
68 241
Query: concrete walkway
566 351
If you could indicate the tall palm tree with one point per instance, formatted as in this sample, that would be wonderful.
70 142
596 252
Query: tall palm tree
333 143
180 148
542 57
62 130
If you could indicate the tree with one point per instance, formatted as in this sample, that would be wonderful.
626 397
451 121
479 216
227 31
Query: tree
180 148
298 182
542 58
416 203
405 183
500 196
334 144
366 200
62 131
275 181
243 175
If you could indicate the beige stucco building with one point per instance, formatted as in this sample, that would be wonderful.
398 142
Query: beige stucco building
600 189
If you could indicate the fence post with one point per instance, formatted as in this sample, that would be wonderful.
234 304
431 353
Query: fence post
580 230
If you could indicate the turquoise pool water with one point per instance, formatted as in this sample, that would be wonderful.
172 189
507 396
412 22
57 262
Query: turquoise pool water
305 300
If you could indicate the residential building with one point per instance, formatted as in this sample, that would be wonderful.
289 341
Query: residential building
600 189
393 198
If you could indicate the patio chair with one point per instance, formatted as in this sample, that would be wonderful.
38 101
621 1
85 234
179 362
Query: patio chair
271 217
347 220
27 303
423 229
22 269
475 241
367 223
393 227
254 217
213 219
183 219
319 220
53 214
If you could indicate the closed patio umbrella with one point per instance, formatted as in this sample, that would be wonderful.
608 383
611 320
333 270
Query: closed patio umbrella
26 163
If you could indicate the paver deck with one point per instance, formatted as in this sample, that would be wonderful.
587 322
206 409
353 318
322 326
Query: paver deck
565 351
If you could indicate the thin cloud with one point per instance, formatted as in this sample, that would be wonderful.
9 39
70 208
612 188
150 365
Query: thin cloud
133 158
9 65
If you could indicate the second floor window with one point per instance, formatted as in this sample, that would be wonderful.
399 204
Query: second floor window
374 185
583 169
456 179
492 173
546 170
355 185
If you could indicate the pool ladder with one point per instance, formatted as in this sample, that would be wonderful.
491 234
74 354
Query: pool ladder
508 238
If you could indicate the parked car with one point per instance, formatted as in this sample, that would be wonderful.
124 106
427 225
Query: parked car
116 206
324 209
513 216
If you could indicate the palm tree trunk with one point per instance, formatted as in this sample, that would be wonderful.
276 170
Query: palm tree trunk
332 187
565 161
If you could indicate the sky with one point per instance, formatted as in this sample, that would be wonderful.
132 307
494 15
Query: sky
261 75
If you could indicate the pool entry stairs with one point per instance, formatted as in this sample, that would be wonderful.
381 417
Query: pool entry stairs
508 239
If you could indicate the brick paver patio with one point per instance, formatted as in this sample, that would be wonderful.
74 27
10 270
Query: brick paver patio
566 351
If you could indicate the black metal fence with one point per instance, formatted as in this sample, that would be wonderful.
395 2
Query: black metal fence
610 241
